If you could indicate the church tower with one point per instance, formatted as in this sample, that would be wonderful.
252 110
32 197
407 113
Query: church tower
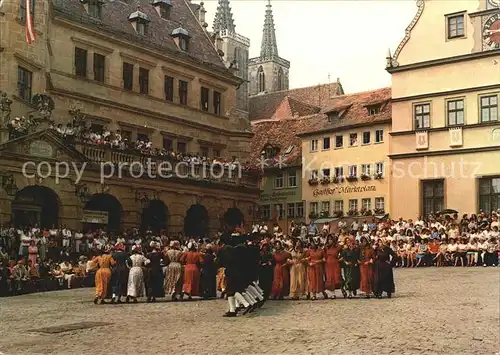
235 48
268 72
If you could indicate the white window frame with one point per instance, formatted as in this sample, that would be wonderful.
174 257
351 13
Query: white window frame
379 168
366 169
292 176
279 178
313 207
369 138
338 205
355 143
353 170
314 145
366 203
377 132
379 201
329 143
353 204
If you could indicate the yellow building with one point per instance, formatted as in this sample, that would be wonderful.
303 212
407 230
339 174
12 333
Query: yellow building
345 157
445 139
146 69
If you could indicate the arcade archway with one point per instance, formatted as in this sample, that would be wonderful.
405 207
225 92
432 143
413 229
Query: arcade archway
36 205
105 203
196 221
233 217
154 216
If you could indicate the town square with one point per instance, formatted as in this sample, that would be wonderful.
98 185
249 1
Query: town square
249 177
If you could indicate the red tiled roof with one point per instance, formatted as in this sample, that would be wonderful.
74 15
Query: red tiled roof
303 101
282 134
356 112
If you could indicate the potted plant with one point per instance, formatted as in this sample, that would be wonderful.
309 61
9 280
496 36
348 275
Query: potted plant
338 214
352 178
352 212
313 215
324 214
365 177
313 181
338 179
366 212
379 211
378 175
325 180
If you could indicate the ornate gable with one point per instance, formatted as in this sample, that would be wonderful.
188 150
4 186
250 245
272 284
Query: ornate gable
42 145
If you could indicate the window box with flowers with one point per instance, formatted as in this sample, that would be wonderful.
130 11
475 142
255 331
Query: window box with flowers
313 181
352 213
379 211
338 179
352 178
324 214
338 214
378 176
313 215
325 180
366 212
365 177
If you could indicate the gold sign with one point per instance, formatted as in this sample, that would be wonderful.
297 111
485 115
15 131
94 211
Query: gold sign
343 190
277 195
96 217
41 149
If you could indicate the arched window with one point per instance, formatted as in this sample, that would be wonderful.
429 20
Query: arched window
281 80
237 57
262 79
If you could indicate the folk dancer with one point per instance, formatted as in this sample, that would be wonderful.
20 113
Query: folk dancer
119 274
103 275
136 287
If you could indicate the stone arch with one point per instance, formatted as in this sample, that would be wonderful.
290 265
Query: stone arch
36 204
106 203
154 216
196 222
233 217
261 79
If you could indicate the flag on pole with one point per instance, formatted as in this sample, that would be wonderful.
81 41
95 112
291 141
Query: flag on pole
30 28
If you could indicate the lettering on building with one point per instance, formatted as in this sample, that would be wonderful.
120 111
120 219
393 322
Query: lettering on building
343 190
278 195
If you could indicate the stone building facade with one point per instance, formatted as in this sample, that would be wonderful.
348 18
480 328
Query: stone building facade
150 71
269 72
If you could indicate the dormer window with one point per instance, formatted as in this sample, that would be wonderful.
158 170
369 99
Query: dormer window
163 7
139 21
181 37
93 7
336 112
269 152
289 149
373 110
333 115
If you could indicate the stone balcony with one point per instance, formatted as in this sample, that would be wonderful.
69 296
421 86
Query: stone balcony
160 167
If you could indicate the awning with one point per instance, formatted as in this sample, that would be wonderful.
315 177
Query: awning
325 220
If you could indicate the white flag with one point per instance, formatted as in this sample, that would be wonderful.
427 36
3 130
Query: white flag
1 4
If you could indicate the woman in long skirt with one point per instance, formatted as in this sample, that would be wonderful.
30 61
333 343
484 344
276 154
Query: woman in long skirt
191 259
333 271
266 269
297 263
383 275
103 276
136 286
119 274
350 257
173 275
366 259
281 275
155 279
315 258
208 273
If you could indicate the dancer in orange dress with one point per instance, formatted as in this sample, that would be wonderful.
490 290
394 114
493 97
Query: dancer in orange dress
316 258
191 259
333 271
281 275
366 258
103 276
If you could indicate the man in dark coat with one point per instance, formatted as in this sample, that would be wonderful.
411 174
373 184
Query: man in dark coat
119 274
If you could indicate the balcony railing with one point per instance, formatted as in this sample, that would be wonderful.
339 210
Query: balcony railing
151 166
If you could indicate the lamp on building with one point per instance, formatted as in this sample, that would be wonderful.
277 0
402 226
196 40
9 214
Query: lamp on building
142 198
8 183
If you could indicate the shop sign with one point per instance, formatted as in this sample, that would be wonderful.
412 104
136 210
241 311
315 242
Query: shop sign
95 217
343 190
277 195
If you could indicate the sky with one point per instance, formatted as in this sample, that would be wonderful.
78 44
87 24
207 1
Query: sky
329 38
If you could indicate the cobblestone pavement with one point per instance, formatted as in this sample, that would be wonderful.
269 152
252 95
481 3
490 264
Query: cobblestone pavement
435 311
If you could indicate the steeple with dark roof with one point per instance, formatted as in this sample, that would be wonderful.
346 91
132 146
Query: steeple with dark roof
269 46
223 19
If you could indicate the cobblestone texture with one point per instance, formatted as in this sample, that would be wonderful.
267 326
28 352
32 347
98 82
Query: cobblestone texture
435 311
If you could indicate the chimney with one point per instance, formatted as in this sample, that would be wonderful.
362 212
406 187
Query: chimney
201 15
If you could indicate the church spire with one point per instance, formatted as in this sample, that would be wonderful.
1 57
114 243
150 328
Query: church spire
224 18
268 47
